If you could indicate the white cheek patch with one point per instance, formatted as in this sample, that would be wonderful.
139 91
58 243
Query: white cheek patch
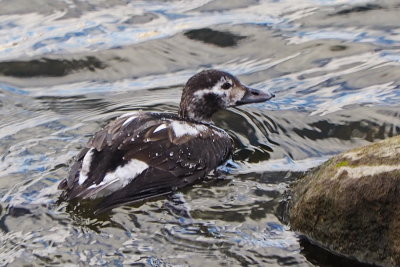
86 162
216 89
235 95
119 178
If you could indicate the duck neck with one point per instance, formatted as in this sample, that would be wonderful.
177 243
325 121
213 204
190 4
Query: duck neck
198 113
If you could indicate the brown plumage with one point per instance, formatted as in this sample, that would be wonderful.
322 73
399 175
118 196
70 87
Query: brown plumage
142 155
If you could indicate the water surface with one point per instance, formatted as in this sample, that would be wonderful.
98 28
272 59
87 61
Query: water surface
69 67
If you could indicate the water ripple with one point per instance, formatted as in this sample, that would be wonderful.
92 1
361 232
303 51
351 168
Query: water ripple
105 29
335 74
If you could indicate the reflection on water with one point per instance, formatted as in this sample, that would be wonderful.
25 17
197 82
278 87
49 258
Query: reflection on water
69 67
48 67
218 38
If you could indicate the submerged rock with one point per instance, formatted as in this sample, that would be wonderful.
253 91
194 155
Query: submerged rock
351 204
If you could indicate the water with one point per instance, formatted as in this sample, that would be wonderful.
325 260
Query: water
68 67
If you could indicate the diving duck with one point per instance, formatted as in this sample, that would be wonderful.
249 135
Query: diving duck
141 155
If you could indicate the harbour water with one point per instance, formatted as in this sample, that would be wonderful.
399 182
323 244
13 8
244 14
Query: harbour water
68 67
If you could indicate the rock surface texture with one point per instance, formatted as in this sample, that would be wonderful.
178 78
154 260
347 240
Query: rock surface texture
351 204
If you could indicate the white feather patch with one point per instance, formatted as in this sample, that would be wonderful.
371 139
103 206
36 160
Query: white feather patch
160 127
86 162
119 178
133 113
183 128
129 120
216 89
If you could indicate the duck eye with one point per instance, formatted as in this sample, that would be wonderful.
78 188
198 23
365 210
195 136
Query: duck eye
226 86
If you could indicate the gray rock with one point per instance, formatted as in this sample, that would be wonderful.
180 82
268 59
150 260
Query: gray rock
351 204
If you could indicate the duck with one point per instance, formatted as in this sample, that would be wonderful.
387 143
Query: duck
142 155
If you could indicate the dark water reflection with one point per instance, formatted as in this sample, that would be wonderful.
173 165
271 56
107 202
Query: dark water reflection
48 67
218 38
67 68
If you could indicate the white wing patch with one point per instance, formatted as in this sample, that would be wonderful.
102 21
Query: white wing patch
130 114
129 120
119 178
86 162
160 127
183 128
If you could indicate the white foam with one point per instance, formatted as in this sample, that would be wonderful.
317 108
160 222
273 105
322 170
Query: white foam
86 162
284 164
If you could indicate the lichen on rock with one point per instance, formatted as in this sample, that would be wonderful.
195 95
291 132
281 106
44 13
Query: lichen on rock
351 203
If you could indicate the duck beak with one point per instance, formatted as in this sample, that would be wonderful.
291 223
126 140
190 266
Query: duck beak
254 96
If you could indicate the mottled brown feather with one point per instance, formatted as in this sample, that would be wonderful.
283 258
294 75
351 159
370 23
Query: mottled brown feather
181 160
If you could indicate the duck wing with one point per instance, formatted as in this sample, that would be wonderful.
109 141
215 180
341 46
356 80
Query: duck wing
140 156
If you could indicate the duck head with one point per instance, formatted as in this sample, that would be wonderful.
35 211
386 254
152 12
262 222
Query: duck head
211 90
